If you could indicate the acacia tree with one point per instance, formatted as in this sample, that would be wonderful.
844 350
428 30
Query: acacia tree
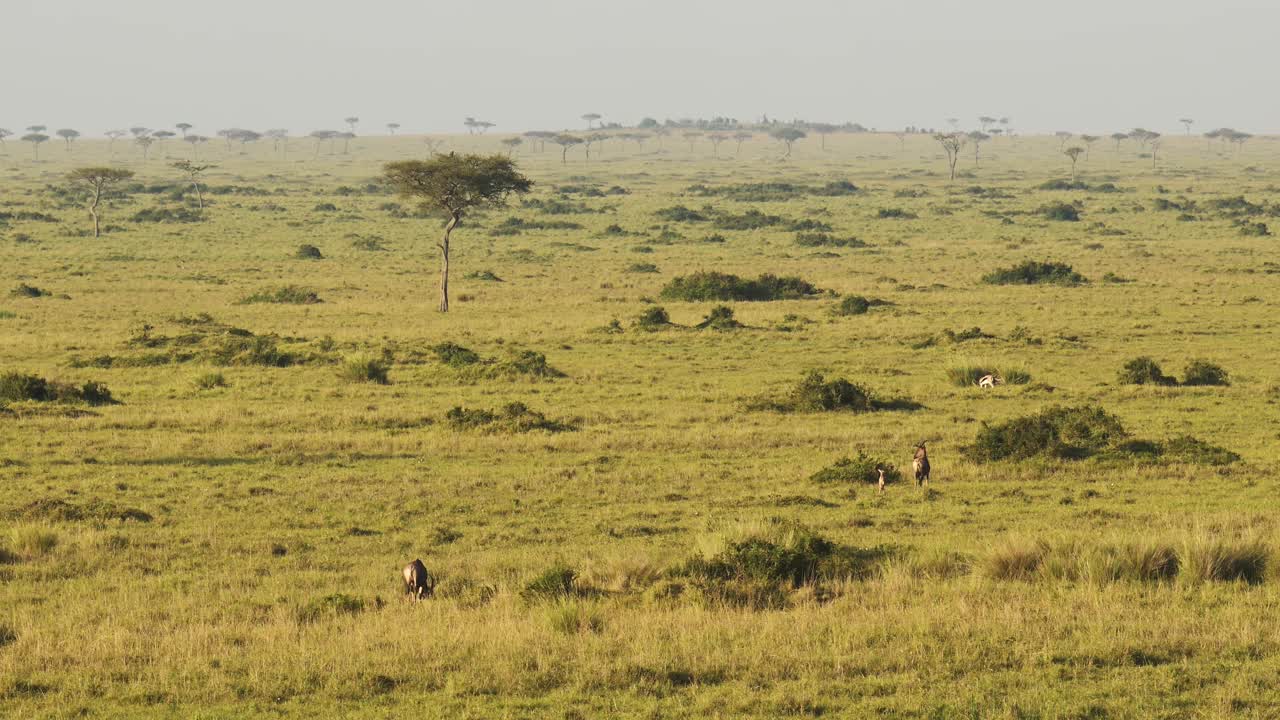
716 139
4 134
35 139
193 172
393 127
660 132
68 136
455 185
346 138
512 143
951 144
279 140
97 180
590 118
112 137
1074 152
320 136
1063 136
1187 122
433 145
566 141
692 136
823 130
1088 140
1155 143
351 123
184 127
788 136
739 138
986 121
162 135
144 142
194 140
978 138
1118 138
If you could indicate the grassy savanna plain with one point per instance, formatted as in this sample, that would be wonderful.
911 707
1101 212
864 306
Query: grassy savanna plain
230 546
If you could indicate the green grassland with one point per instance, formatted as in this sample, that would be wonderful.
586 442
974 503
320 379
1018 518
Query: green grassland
225 540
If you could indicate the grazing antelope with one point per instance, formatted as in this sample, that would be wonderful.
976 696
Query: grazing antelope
990 381
921 465
417 581
881 483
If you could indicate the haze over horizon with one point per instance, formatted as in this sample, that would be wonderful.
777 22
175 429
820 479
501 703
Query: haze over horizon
1090 66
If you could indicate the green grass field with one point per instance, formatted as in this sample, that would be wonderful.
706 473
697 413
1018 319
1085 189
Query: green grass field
226 541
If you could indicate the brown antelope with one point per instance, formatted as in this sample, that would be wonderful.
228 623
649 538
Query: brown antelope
417 581
921 465
881 483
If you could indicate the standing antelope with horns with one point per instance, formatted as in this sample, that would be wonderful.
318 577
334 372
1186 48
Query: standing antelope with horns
921 465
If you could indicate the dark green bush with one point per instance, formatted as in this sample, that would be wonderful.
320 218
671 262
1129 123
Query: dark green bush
1144 371
653 318
283 295
720 318
1061 432
485 275
858 469
711 285
1032 272
1062 212
642 268
680 213
514 417
365 370
821 239
455 355
167 215
814 393
1197 452
1203 372
29 291
18 387
309 252
553 583
895 214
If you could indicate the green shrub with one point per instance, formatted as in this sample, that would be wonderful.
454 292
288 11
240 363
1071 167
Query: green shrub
642 268
455 355
819 239
364 370
856 305
653 318
1254 229
283 295
484 275
8 315
1061 432
1060 211
680 213
309 252
17 387
895 214
1032 272
325 207
814 393
553 583
720 318
514 417
209 381
1203 372
858 469
167 215
705 286
1192 451
1144 371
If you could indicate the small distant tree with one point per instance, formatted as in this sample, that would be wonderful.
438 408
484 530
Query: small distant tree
512 143
954 123
346 138
1063 136
483 125
97 181
591 118
433 145
1074 152
279 140
1155 143
566 141
739 138
1088 141
183 128
139 131
540 137
194 140
788 137
986 121
351 123
647 123
692 136
4 134
902 141
1118 138
193 172
321 136
596 138
144 142
470 124
162 135
68 136
393 127
1143 136
455 185
951 144
716 139
661 132
823 130
977 138
1188 122
112 137
35 139
37 128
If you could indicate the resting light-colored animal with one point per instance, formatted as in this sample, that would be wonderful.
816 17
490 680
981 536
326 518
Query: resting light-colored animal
921 465
417 581
990 381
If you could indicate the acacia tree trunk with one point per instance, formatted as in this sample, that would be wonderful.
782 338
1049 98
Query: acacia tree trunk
199 195
93 210
454 219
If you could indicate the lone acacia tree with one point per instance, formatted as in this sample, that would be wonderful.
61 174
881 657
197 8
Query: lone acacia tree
456 184
1074 152
35 139
193 171
951 143
97 180
1188 122
591 118
788 136
68 136
566 141
978 137
739 138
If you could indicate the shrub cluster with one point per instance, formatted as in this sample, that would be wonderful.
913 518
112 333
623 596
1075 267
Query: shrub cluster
709 285
1060 211
720 318
1032 272
858 469
517 363
20 387
283 295
1146 371
514 417
856 305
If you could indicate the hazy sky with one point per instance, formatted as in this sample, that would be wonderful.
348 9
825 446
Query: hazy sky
1080 65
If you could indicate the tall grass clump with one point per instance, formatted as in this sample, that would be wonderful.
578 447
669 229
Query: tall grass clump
365 370
32 541
1203 372
514 417
1033 272
815 393
1144 371
969 375
1207 558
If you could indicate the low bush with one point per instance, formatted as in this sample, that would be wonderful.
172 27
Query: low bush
641 268
1144 371
858 469
1060 211
209 381
1032 272
820 239
814 393
23 290
1060 432
720 318
1193 451
283 295
554 583
680 213
167 215
19 387
514 417
308 252
325 207
365 370
895 214
1203 372
705 286
484 275
653 318
856 305
455 355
